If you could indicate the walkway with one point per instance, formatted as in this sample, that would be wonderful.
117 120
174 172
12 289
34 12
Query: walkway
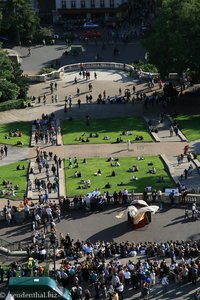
109 81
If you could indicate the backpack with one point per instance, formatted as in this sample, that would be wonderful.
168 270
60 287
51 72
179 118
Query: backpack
195 272
79 291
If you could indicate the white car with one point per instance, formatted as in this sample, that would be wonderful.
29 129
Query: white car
90 25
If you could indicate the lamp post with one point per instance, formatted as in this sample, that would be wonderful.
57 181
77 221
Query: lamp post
54 260
17 24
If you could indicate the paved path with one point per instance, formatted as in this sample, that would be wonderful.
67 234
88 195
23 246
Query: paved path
46 56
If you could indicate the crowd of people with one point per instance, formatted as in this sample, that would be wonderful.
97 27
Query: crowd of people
98 267
45 130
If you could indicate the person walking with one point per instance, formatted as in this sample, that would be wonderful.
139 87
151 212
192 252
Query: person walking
79 103
29 51
5 150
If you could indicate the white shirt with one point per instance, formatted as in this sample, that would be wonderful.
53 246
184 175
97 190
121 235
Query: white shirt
127 275
48 211
125 192
120 288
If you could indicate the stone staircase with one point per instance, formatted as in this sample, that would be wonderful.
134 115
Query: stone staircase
55 125
193 180
33 192
163 134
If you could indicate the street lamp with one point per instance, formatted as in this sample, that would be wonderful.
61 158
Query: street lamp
17 25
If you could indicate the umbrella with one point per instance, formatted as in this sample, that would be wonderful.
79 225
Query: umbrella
133 211
153 209
140 202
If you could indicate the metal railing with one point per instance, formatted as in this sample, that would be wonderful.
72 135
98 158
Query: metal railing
16 246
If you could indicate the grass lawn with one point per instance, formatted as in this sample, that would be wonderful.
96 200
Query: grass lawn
190 126
122 175
113 128
24 127
10 173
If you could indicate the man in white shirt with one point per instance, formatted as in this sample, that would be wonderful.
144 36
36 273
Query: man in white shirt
120 290
127 276
49 212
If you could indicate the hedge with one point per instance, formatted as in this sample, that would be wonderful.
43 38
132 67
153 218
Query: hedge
14 104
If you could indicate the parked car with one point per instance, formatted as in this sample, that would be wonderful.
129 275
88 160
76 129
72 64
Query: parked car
89 25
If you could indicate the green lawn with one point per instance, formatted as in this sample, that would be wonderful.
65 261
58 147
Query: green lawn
9 173
24 127
190 126
113 127
144 178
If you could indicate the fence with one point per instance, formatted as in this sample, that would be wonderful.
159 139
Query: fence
178 200
88 65
13 246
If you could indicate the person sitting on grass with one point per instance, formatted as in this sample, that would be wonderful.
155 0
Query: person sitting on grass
133 169
119 140
110 159
113 173
160 179
153 170
84 161
120 184
108 186
116 164
140 158
127 133
99 172
134 178
79 174
106 137
76 165
139 138
18 168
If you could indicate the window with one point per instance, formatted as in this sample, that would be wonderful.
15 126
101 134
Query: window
92 3
63 4
73 4
82 3
111 3
102 3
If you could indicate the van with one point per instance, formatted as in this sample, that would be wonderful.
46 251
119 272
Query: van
36 288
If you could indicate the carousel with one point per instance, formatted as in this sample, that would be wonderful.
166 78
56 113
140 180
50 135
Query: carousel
139 213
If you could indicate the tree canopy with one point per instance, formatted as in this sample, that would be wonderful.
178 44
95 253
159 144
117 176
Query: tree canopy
13 84
19 20
174 43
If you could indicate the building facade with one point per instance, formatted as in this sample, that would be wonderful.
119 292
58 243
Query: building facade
90 9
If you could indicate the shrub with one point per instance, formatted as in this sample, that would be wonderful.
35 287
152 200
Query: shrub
145 67
14 104
46 70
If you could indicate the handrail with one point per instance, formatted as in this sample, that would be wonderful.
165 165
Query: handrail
10 246
188 199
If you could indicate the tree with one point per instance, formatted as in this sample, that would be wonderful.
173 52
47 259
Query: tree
174 43
13 84
19 20
9 90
